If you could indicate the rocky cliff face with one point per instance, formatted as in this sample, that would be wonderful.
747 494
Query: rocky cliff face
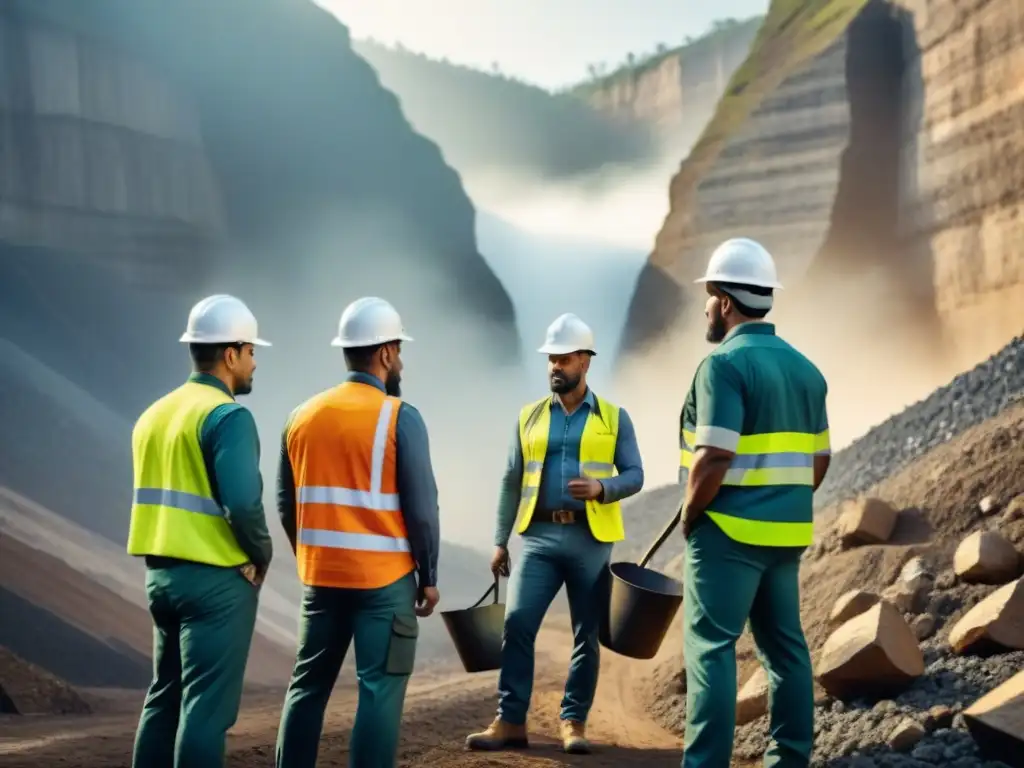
290 175
870 145
675 93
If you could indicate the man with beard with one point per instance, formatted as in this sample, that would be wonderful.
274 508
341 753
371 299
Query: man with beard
755 447
197 518
358 501
561 481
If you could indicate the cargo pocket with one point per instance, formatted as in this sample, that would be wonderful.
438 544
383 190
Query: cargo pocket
402 647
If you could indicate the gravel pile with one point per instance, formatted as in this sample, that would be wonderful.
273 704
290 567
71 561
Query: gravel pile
853 735
971 398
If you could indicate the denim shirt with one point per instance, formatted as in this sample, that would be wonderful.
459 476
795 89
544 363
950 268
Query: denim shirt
562 464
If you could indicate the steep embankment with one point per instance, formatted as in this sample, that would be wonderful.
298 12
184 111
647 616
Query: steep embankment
68 623
492 123
674 91
875 140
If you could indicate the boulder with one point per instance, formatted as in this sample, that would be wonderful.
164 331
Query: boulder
923 626
752 699
985 557
851 604
938 717
996 722
916 574
905 736
996 623
905 598
866 521
875 653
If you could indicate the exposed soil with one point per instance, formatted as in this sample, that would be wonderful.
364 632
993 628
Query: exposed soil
440 711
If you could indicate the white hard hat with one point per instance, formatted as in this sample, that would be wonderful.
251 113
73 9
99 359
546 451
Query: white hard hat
741 260
221 319
568 334
367 322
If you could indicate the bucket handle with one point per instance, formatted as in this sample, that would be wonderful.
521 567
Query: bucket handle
493 588
662 537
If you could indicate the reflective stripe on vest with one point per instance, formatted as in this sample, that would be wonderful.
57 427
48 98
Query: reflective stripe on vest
597 460
351 532
174 513
763 460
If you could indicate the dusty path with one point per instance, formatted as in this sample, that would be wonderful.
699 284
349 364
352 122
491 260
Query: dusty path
439 714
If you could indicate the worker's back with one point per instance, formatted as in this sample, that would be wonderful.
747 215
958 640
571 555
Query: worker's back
343 452
784 391
767 495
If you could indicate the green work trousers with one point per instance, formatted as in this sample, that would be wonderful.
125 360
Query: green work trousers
203 623
382 625
727 583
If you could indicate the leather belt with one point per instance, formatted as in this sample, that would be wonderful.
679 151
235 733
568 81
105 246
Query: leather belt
560 516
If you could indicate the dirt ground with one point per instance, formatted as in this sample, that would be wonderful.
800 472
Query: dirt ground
439 712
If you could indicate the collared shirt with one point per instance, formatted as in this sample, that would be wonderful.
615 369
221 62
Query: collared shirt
417 489
756 383
230 445
562 464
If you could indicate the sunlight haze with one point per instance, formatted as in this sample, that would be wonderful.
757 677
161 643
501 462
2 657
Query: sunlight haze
549 44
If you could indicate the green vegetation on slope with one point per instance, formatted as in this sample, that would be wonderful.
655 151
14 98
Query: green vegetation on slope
794 31
703 47
489 120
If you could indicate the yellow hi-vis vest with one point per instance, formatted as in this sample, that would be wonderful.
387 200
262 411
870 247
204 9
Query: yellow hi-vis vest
597 460
174 513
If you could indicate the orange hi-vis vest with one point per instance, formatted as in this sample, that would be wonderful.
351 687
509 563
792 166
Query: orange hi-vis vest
350 529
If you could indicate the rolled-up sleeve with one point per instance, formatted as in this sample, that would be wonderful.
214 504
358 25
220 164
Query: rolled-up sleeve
509 491
417 493
232 446
719 397
630 477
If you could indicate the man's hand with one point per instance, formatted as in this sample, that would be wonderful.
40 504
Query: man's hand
689 520
427 601
252 574
585 488
499 563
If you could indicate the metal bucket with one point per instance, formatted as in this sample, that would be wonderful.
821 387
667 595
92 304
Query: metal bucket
477 632
641 604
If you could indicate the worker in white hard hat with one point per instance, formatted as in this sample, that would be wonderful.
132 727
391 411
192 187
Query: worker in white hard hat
358 501
754 447
197 518
573 458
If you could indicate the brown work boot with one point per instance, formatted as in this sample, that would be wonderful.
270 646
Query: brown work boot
574 738
499 735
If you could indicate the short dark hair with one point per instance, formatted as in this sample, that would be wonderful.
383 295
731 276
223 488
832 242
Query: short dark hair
757 290
359 358
206 356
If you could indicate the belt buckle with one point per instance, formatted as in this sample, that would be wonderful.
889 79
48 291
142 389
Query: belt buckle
563 516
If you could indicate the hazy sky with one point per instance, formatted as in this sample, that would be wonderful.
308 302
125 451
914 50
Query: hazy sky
547 42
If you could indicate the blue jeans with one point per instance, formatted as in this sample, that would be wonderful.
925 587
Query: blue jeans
553 555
